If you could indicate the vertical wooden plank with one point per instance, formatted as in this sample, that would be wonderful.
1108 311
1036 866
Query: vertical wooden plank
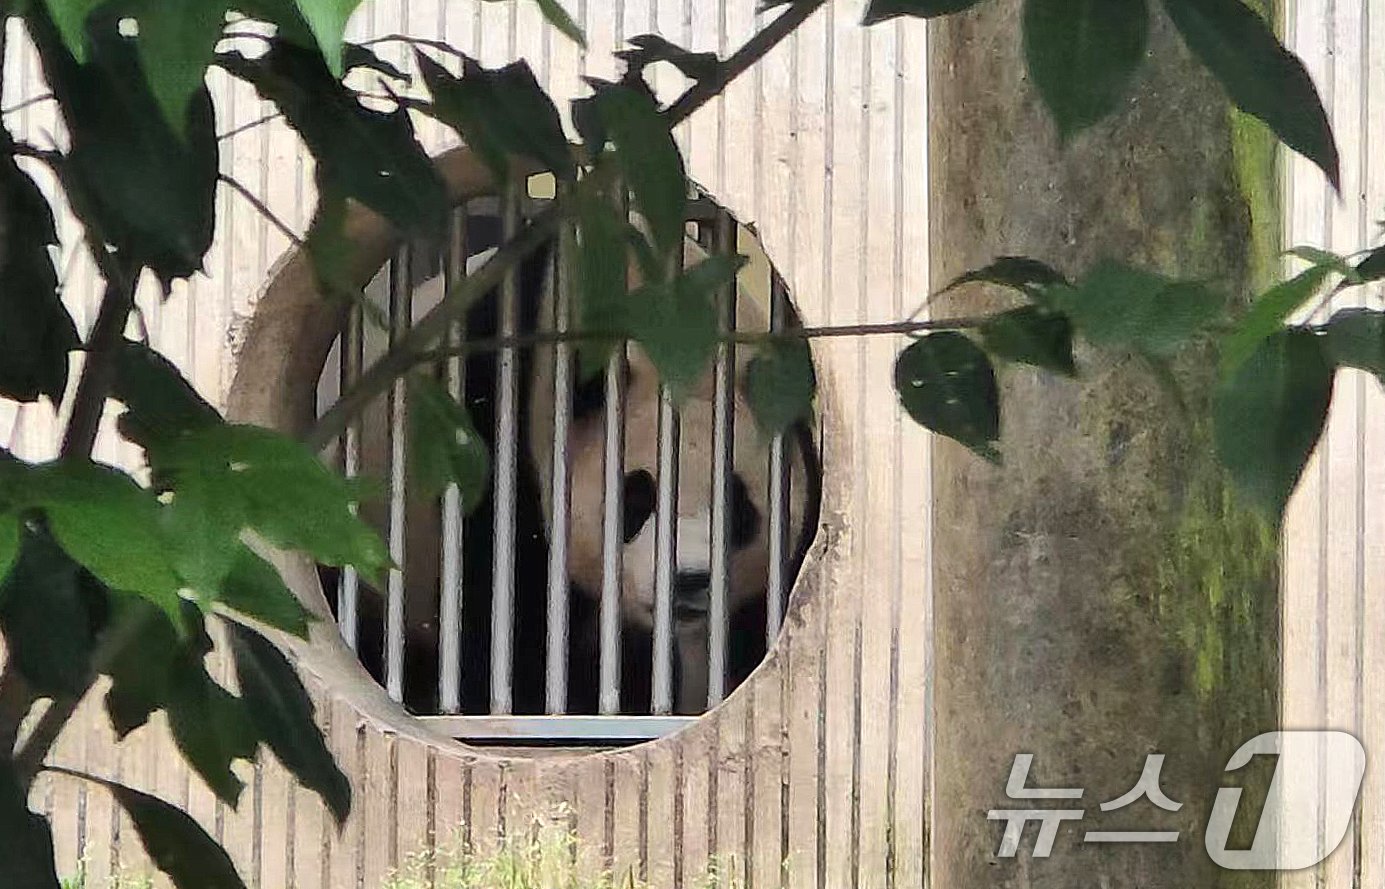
488 787
730 788
662 826
67 810
377 799
449 804
695 772
276 827
312 824
102 815
590 812
1372 667
415 828
913 735
343 855
764 824
622 847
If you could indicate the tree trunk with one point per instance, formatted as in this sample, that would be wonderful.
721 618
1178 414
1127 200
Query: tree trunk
1100 596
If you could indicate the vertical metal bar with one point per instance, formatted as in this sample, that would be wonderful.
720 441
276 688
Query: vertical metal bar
506 462
349 584
401 315
556 690
665 545
612 527
723 454
450 606
612 530
779 482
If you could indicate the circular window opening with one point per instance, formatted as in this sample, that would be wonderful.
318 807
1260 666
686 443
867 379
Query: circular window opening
630 561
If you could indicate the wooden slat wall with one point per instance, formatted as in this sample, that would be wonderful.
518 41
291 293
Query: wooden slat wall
1334 535
815 774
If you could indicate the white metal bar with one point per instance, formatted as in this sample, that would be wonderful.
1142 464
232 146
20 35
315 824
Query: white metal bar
779 485
349 582
612 531
450 605
723 452
556 692
506 464
665 554
401 314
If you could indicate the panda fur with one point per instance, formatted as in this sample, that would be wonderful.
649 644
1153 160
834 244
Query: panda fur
746 642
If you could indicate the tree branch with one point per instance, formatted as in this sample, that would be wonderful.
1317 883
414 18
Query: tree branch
432 326
263 208
741 337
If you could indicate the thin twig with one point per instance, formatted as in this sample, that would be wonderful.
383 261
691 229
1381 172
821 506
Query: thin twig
245 127
740 61
433 325
439 45
27 103
739 337
262 207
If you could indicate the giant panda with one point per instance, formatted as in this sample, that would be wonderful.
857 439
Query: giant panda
748 533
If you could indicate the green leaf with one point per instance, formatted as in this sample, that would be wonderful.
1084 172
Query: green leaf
203 533
140 669
1119 306
1268 313
651 48
176 843
946 384
444 446
146 188
1082 55
111 526
50 611
602 260
1262 77
213 729
10 528
1269 413
71 16
779 384
159 400
328 19
502 113
1356 338
177 39
1016 272
283 713
159 668
281 490
1372 268
557 16
36 332
372 156
676 323
1031 335
254 588
26 840
649 162
881 10
1333 261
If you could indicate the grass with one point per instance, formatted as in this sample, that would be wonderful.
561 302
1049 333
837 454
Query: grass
122 881
543 858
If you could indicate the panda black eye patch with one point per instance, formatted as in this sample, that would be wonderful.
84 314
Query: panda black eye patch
640 496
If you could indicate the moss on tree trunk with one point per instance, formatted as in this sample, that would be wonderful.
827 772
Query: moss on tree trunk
1100 596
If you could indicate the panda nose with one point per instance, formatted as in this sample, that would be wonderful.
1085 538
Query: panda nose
691 591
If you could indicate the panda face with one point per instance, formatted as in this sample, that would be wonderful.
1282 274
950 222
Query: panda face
749 562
